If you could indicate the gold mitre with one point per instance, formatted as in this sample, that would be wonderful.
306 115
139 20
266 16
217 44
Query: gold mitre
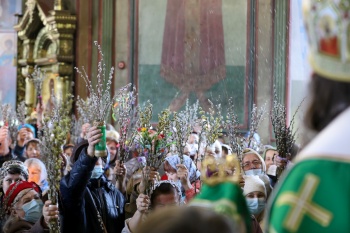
328 26
219 170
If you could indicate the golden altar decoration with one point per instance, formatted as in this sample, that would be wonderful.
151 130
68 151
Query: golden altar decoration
46 41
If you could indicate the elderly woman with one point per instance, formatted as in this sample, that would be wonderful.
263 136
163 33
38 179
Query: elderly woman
253 163
166 193
12 171
37 173
256 196
184 174
25 209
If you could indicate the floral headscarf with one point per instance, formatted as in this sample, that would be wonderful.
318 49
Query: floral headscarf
12 164
172 183
174 160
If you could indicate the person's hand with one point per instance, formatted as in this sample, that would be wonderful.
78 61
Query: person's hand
93 136
4 132
183 175
153 176
143 203
22 137
280 162
84 130
50 212
39 114
39 109
119 170
4 141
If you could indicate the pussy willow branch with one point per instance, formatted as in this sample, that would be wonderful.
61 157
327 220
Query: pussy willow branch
38 78
257 117
124 115
232 126
21 112
100 94
9 118
56 126
215 120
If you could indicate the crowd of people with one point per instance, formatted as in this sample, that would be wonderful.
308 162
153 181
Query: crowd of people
198 187
101 194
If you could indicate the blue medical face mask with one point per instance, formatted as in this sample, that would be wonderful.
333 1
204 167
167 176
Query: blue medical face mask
97 172
256 205
33 210
253 172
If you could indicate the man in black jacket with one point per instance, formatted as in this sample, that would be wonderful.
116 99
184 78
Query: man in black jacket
90 203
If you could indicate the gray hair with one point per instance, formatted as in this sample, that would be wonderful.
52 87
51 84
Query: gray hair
38 164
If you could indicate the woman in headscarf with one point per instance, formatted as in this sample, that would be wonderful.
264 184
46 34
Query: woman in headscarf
185 174
256 196
37 173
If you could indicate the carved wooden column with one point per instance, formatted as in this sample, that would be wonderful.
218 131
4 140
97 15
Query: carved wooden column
47 41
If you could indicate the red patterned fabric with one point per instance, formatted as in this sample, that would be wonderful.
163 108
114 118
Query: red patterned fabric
16 188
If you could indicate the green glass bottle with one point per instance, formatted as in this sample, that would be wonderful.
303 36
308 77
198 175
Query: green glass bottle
101 147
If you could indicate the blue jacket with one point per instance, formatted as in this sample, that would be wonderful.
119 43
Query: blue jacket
84 199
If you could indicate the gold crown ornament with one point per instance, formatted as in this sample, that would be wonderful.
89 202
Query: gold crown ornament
219 170
328 26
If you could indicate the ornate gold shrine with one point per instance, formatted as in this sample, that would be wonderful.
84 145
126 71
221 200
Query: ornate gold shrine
45 40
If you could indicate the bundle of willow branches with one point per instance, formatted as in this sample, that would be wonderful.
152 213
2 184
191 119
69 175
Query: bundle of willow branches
232 127
56 126
83 107
99 101
257 116
125 115
21 113
180 132
285 137
154 144
213 122
38 78
9 119
182 126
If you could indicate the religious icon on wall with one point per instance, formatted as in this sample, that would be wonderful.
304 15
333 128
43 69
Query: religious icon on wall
7 68
193 54
7 53
8 9
8 50
192 49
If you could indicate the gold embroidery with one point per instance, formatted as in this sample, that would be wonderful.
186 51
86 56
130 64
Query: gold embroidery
301 204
